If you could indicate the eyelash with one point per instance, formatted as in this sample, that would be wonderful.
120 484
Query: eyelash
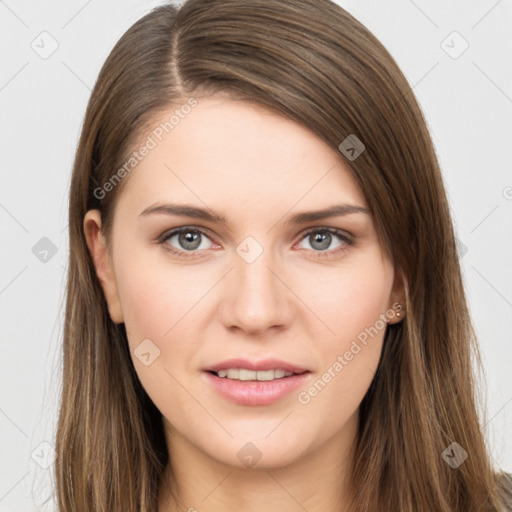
164 237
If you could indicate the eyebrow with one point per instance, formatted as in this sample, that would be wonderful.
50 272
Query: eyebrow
185 210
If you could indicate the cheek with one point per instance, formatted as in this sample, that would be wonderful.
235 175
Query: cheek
347 300
352 303
157 301
159 319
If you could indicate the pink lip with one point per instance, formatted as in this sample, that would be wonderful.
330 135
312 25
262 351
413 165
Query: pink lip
267 364
252 392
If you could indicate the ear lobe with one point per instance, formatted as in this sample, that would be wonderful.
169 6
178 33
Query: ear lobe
104 269
397 298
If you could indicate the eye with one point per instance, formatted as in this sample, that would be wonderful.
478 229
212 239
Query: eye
188 240
320 239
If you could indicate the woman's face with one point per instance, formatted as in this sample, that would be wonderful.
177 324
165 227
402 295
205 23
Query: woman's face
259 285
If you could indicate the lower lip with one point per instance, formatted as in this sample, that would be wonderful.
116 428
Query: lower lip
256 392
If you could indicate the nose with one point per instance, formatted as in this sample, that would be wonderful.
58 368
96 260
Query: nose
256 296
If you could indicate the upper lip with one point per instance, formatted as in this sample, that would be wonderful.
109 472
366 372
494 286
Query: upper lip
266 364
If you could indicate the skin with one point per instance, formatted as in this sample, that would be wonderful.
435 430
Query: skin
256 169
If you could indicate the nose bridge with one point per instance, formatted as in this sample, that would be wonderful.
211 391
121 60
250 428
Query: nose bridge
258 298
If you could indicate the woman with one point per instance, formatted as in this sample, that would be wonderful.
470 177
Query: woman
264 307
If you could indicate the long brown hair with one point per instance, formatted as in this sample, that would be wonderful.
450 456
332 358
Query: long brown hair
312 62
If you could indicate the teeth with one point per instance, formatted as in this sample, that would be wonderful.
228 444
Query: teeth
243 374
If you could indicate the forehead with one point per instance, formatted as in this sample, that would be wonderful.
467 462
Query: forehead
238 155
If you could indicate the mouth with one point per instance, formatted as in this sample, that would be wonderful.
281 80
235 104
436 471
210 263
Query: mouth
242 374
255 387
245 369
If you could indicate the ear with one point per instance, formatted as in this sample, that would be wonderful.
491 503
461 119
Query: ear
397 299
104 268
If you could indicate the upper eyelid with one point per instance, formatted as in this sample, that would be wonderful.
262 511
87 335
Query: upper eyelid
337 231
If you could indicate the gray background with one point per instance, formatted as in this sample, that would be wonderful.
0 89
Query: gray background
467 100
